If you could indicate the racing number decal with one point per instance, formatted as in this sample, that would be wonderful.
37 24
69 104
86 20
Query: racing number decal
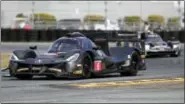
97 66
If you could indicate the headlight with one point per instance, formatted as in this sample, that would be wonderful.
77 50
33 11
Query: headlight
175 46
147 47
73 57
129 57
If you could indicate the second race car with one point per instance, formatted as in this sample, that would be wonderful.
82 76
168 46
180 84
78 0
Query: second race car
155 45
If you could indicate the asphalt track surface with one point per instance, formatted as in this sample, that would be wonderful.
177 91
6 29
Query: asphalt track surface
41 90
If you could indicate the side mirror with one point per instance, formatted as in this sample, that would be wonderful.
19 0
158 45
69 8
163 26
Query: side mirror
33 47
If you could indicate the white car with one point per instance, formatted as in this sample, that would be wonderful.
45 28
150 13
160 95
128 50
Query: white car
154 45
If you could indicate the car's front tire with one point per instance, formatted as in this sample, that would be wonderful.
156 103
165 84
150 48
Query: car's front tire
133 68
13 66
87 66
176 54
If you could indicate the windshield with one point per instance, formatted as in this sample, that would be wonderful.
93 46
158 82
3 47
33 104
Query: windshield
153 39
64 45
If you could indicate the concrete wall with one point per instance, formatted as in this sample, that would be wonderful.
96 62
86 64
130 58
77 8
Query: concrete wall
77 9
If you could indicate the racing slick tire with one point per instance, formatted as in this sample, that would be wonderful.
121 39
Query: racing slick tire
13 67
176 54
86 66
133 68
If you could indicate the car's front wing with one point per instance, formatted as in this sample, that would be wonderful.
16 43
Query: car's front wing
59 69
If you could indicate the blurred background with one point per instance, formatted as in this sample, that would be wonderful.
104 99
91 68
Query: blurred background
93 15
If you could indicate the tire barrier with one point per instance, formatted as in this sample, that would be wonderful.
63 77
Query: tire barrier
19 35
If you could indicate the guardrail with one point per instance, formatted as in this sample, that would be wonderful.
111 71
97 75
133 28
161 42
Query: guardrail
19 35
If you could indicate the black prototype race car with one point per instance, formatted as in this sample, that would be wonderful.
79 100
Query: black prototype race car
76 55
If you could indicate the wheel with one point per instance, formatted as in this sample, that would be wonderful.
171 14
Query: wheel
87 66
133 66
24 77
176 54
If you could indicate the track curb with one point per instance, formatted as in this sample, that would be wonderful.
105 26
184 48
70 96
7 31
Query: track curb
120 83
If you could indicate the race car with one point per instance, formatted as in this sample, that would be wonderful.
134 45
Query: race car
74 54
155 45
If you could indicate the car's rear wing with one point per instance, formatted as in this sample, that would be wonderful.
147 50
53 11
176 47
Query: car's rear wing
126 37
102 39
113 36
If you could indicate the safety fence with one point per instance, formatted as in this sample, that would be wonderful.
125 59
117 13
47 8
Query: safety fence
19 35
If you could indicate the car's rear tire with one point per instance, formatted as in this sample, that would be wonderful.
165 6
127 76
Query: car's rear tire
87 66
134 66
176 54
24 77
